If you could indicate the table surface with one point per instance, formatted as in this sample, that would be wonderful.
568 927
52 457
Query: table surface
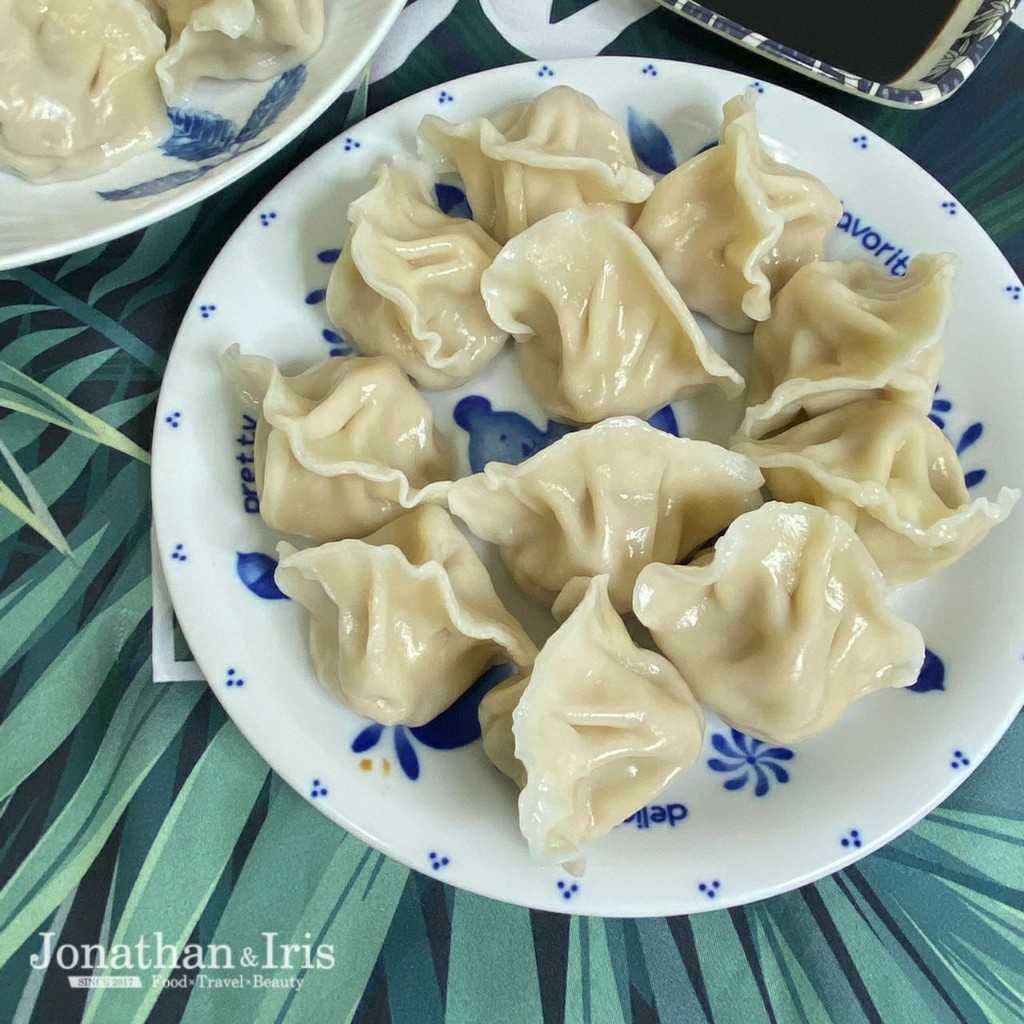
130 807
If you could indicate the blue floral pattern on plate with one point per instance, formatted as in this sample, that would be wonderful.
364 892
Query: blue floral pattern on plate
200 135
942 406
745 758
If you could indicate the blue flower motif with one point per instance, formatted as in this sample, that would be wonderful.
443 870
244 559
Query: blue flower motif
339 346
941 407
458 726
746 758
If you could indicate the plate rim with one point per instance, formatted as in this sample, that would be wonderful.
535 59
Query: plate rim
220 177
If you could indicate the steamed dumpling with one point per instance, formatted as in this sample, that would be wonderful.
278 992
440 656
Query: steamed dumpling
889 472
78 93
237 39
731 225
599 330
557 152
402 622
599 728
407 283
341 449
844 331
605 500
784 627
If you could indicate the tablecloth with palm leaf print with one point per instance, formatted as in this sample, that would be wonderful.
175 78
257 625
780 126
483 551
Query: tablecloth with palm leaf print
129 808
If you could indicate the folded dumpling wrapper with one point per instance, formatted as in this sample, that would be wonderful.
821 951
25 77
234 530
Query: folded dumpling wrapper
731 225
606 500
844 331
892 474
341 449
407 283
557 152
78 88
599 330
593 732
784 627
403 622
236 39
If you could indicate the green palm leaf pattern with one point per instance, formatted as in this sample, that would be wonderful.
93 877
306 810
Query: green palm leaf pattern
128 808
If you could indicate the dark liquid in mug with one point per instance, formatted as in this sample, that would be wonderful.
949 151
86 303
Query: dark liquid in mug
876 39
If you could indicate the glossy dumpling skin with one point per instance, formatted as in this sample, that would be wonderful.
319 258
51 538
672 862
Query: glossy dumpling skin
341 449
557 152
732 224
599 728
403 622
784 627
844 331
599 330
889 472
237 39
407 284
605 500
78 93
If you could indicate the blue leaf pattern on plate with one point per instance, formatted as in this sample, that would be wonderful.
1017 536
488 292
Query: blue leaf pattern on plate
201 135
270 108
406 754
650 143
256 571
198 134
367 738
970 436
156 186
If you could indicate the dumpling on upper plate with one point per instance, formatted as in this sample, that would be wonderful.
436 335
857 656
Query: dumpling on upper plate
556 152
732 224
237 39
784 626
607 500
404 621
599 330
891 474
78 92
341 449
844 331
594 731
407 284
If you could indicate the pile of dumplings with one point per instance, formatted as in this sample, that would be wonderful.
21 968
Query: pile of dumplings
85 84
771 613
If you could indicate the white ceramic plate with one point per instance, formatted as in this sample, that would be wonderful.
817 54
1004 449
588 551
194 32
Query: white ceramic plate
748 820
204 154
